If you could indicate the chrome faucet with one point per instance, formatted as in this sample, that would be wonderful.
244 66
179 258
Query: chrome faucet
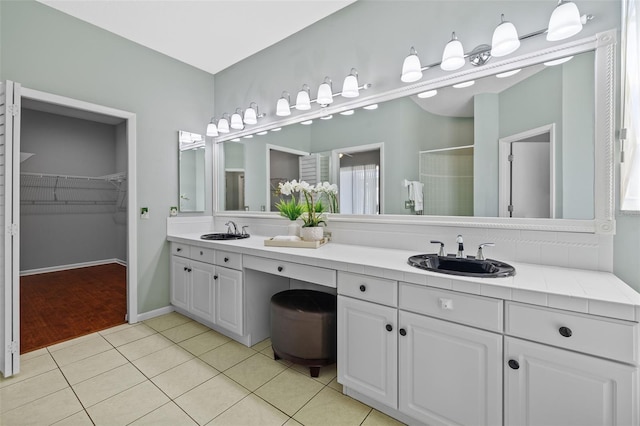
480 254
231 224
244 230
441 252
460 253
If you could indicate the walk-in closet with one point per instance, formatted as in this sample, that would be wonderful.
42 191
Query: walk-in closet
73 223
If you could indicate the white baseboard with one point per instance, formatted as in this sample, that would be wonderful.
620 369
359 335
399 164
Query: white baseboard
71 266
155 313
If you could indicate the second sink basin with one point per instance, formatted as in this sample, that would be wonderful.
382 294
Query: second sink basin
467 267
222 236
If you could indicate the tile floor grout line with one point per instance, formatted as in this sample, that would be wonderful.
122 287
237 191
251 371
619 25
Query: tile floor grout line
71 388
322 381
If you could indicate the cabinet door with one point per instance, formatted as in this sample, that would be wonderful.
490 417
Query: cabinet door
550 386
228 299
180 282
367 349
449 373
202 290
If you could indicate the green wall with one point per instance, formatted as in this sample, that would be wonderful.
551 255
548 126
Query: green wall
47 50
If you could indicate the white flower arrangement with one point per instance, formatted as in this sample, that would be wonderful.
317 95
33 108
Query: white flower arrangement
313 208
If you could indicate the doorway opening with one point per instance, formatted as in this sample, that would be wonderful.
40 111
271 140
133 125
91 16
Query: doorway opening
283 164
359 175
53 192
527 174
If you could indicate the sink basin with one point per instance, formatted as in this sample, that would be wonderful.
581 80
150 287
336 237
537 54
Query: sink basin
467 267
223 236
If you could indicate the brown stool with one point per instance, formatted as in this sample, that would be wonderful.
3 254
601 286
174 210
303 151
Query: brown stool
303 328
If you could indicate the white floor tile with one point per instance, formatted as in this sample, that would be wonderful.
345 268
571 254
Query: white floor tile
46 410
128 406
29 390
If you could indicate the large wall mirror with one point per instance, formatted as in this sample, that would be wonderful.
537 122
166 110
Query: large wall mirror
191 150
523 146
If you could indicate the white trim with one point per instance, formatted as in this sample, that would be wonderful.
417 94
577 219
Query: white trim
155 313
71 266
132 200
453 148
504 181
604 44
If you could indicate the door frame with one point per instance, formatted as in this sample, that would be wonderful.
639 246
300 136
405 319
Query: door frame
504 175
132 226
269 148
334 170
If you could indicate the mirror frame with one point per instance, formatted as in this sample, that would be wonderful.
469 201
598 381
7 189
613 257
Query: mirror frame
604 45
180 166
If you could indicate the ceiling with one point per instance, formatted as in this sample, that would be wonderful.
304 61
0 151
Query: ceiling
208 34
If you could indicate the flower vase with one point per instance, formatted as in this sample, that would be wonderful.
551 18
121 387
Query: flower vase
293 229
312 233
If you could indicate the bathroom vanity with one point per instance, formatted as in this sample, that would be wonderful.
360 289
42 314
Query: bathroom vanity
432 348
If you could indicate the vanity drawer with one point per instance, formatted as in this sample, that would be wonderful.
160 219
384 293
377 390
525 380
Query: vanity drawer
229 259
477 311
202 254
181 250
606 337
369 288
312 274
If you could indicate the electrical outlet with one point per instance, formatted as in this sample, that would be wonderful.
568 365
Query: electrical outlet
144 213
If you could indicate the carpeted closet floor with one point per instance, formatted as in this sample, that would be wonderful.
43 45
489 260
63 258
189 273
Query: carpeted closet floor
59 306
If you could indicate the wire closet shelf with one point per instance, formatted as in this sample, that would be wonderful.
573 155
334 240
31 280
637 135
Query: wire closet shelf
52 193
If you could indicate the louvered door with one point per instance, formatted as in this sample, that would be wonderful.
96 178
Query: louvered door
9 216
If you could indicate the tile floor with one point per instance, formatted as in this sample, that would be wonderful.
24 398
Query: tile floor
173 371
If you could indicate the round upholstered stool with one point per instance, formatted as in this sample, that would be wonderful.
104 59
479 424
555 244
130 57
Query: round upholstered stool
303 328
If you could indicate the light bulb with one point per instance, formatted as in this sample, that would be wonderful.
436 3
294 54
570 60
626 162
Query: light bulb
303 102
411 67
325 96
212 130
350 86
505 39
453 55
565 21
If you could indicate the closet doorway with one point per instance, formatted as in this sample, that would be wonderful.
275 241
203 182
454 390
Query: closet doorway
73 223
59 208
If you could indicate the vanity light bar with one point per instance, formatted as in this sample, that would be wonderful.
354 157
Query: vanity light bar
565 22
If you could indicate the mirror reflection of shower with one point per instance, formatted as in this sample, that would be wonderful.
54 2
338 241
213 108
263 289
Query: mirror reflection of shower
359 174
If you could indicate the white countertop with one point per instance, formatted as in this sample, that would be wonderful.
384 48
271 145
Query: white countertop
598 293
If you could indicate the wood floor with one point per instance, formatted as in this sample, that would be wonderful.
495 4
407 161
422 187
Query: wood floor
59 306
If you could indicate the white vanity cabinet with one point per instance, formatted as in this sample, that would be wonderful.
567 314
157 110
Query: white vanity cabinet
228 299
368 338
449 372
557 385
203 289
433 370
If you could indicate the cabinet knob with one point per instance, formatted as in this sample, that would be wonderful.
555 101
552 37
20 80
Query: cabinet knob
226 259
201 253
565 331
178 249
363 288
189 270
215 277
389 327
403 332
514 364
280 268
186 269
